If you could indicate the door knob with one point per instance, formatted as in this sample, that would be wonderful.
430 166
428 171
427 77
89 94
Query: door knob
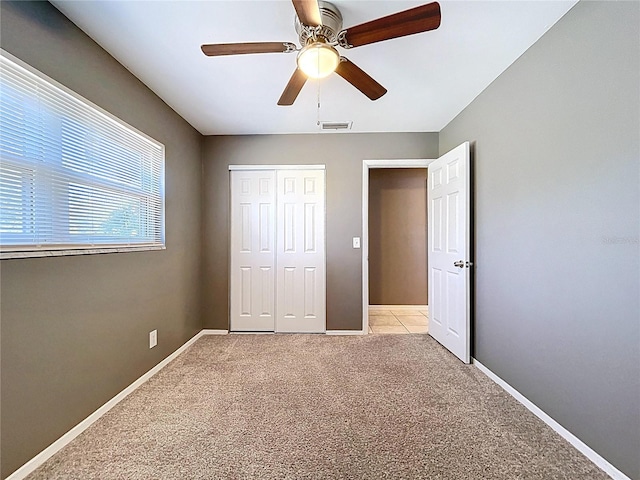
462 264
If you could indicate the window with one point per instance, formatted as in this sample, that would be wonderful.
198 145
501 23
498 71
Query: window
73 178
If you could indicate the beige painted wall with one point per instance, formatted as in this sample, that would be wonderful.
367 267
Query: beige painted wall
343 155
398 236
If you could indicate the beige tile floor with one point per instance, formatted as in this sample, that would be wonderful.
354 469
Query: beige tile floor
398 321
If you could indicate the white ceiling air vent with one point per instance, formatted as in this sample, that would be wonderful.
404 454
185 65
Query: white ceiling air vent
336 125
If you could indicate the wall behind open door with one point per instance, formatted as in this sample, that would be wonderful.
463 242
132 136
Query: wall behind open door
397 236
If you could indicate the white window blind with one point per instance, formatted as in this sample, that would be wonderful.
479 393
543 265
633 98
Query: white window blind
71 175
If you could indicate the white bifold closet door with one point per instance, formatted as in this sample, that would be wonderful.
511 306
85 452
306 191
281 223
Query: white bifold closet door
278 251
300 282
253 239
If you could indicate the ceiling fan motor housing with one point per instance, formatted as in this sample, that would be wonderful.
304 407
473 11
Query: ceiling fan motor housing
331 25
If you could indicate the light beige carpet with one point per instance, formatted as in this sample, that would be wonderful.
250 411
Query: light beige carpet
318 407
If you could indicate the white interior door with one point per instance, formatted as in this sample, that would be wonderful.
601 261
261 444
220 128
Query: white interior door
252 282
449 251
300 258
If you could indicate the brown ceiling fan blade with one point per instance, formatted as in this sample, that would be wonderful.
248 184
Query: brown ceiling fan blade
415 20
217 49
308 12
359 79
291 91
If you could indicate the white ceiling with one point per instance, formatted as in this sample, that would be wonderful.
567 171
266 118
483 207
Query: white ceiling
430 77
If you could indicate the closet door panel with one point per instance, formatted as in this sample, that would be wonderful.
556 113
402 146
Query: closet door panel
252 282
300 258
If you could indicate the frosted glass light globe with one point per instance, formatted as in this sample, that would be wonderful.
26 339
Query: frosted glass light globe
318 60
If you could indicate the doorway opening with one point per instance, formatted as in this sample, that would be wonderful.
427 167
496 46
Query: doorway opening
395 294
449 246
398 293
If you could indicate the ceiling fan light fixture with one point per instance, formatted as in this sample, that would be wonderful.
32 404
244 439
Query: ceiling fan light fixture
318 60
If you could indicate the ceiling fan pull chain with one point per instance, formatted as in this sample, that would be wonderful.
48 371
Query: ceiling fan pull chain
318 98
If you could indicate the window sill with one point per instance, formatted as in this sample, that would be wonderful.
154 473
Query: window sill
77 251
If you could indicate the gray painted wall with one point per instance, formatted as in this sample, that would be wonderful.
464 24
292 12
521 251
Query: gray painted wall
557 227
75 329
557 215
343 155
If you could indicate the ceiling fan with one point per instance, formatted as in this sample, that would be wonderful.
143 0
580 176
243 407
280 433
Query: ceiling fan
319 27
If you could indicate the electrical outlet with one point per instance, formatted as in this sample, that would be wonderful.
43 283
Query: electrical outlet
153 338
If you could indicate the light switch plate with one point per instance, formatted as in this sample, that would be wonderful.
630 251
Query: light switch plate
356 242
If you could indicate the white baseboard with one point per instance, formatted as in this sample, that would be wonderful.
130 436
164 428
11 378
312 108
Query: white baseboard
583 448
345 332
65 439
398 307
328 332
251 333
210 331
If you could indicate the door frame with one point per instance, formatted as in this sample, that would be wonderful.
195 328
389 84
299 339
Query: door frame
366 166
